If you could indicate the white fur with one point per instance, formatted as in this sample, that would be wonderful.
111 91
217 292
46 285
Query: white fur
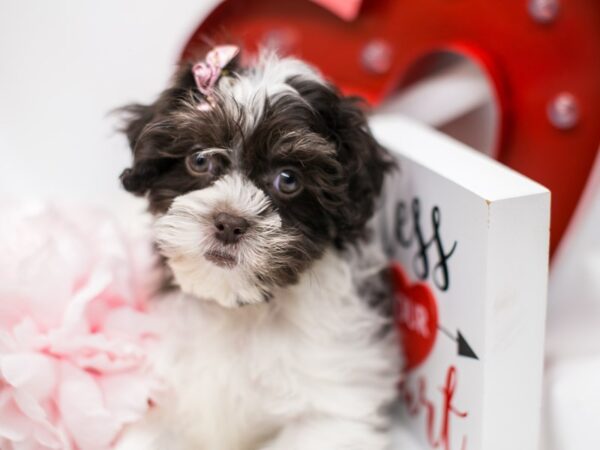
186 232
301 372
266 79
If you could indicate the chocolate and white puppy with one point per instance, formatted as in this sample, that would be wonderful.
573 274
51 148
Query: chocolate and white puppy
262 189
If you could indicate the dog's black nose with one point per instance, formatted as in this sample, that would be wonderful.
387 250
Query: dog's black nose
229 229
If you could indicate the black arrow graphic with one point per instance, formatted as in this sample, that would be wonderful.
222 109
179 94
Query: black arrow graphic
464 349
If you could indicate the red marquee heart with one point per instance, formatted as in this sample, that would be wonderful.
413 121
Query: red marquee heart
416 316
530 57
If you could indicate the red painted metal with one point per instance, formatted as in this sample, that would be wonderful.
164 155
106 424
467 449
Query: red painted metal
528 62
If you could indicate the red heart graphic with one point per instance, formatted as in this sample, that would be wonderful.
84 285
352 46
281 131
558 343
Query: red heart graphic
416 316
524 55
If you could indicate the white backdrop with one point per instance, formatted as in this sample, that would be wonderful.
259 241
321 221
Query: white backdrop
64 65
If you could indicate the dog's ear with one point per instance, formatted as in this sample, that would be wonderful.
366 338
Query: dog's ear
363 161
148 163
140 176
146 166
364 164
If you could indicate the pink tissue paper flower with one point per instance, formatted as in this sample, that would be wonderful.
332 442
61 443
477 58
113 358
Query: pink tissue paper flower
73 329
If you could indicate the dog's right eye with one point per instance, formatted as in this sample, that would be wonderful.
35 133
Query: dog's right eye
199 163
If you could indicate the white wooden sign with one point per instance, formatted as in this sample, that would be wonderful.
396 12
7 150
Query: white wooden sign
470 241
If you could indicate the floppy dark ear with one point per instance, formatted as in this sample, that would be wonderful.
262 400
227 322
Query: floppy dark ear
144 170
147 163
364 162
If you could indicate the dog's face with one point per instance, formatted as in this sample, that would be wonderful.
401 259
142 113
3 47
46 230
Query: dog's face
249 192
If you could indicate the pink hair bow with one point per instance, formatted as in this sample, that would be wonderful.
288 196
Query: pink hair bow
207 72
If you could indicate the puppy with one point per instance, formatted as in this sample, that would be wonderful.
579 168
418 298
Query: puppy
262 178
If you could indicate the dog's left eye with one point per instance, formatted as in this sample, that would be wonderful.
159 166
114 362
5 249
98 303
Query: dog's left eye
199 163
287 182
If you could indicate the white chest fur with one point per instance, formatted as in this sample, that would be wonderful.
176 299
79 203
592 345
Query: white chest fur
240 378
